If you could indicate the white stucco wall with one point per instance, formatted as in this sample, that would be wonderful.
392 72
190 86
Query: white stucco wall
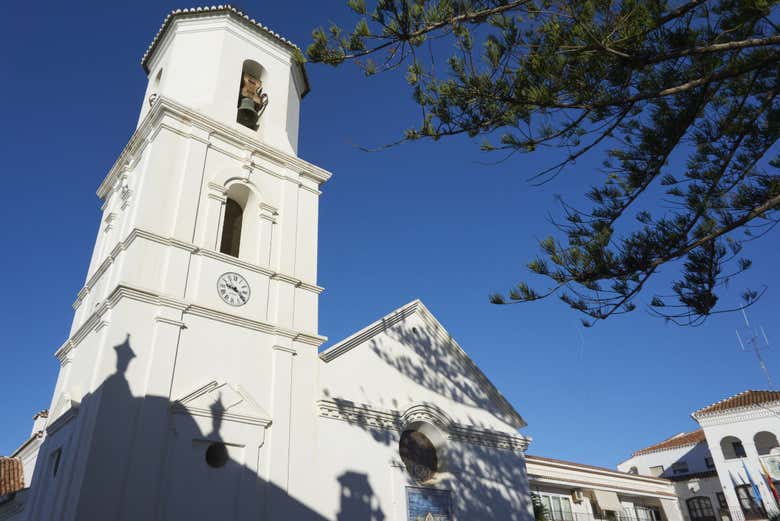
399 372
201 59
744 424
554 477
694 455
700 480
157 371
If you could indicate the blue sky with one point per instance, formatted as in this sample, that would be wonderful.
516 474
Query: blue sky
427 220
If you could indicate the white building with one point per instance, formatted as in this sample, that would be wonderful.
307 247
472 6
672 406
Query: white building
716 467
191 383
576 492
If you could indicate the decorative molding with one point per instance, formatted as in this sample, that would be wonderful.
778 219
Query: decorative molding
367 416
536 479
171 322
125 193
311 287
189 117
427 413
487 438
569 466
217 197
223 401
268 208
368 332
65 410
310 339
738 415
100 325
215 187
304 186
108 222
64 353
227 318
359 414
137 233
235 261
268 212
285 349
286 278
438 333
124 290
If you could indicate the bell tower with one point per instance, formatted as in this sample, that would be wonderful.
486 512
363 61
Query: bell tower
231 77
193 348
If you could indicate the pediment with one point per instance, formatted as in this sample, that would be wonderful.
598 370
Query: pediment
64 404
63 411
408 353
223 400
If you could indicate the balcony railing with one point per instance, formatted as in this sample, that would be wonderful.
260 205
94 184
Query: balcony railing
626 515
737 514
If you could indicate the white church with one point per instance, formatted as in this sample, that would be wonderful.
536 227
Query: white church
192 385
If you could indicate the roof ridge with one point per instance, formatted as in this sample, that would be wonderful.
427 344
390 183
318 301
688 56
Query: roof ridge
761 396
672 442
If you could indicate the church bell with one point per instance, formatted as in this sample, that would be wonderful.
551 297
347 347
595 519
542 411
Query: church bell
252 100
247 112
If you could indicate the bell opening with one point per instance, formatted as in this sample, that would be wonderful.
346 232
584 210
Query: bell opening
251 100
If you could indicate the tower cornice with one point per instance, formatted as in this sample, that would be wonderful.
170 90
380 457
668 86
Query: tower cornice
216 132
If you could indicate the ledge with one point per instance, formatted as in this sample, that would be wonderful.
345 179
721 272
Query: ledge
136 233
361 414
124 290
187 116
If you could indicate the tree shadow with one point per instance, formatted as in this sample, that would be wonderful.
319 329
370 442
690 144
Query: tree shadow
123 457
480 463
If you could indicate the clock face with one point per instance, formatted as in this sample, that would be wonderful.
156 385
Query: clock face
233 289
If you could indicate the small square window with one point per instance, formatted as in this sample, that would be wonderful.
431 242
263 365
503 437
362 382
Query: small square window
709 462
680 467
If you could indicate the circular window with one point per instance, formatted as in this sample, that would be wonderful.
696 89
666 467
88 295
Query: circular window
419 455
216 455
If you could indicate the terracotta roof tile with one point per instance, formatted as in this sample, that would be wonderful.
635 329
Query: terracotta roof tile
749 398
11 475
678 440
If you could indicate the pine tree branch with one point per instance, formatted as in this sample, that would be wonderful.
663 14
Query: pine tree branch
650 59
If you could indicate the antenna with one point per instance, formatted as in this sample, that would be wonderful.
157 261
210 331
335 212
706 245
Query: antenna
753 342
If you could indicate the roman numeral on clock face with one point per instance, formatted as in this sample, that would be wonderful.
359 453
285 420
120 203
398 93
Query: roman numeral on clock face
233 289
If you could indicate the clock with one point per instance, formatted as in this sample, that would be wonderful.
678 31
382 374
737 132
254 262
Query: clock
233 289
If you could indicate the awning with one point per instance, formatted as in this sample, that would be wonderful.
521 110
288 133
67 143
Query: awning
670 508
607 501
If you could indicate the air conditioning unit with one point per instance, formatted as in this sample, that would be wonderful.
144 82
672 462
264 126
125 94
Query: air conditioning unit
577 495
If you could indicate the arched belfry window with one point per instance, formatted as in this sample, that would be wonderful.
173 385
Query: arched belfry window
251 98
233 219
231 228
